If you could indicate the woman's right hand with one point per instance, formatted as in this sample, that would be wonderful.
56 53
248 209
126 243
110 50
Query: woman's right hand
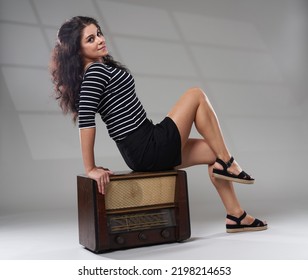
101 176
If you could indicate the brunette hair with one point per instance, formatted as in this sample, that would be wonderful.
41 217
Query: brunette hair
66 65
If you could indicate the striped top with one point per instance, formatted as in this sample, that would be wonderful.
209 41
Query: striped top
110 92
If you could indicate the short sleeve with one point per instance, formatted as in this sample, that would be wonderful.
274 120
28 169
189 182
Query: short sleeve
92 89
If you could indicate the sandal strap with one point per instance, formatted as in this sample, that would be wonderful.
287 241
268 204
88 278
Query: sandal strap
244 175
225 165
237 220
257 223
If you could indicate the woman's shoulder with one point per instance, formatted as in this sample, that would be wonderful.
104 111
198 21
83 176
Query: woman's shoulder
99 70
99 66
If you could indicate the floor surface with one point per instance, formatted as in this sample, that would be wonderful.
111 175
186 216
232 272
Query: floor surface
54 235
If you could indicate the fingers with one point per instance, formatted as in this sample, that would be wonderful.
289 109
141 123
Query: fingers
102 182
101 176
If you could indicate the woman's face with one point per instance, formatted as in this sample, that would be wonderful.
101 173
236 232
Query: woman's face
93 45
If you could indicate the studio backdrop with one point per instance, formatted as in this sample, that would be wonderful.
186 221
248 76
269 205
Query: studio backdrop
250 57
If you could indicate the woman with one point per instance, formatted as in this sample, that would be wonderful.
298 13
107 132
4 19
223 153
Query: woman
88 81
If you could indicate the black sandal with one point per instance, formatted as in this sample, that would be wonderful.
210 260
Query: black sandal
243 177
257 225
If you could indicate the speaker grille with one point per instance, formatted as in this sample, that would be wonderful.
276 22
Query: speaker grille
140 192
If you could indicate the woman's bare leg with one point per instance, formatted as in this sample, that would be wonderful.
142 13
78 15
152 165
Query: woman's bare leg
195 108
197 151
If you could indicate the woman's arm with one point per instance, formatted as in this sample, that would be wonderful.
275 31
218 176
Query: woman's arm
87 140
99 174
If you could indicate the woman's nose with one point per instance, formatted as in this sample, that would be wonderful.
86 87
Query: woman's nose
101 40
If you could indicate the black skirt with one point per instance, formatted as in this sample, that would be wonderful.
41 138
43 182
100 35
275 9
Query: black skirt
152 147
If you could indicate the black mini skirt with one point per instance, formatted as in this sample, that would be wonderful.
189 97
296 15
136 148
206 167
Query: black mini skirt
152 147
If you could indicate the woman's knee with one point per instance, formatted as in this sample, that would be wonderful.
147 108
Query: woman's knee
197 93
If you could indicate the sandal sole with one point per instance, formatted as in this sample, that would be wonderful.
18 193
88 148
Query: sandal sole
242 181
245 229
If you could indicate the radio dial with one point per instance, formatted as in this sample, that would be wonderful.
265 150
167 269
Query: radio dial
120 240
165 233
142 236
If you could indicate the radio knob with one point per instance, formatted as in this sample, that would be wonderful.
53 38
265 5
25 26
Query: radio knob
142 236
120 240
165 233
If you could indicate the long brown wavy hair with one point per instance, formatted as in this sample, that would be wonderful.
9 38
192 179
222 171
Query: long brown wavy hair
66 64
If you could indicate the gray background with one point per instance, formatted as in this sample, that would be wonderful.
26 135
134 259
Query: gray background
250 57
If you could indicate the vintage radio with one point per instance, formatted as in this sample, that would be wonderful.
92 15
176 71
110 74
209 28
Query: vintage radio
138 209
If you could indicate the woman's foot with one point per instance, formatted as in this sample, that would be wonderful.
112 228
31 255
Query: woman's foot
244 222
231 171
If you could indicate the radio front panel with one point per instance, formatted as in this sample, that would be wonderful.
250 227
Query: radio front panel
138 209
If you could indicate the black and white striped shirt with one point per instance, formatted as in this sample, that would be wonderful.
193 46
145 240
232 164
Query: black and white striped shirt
110 92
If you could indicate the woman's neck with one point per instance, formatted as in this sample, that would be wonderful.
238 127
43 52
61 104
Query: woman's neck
88 64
